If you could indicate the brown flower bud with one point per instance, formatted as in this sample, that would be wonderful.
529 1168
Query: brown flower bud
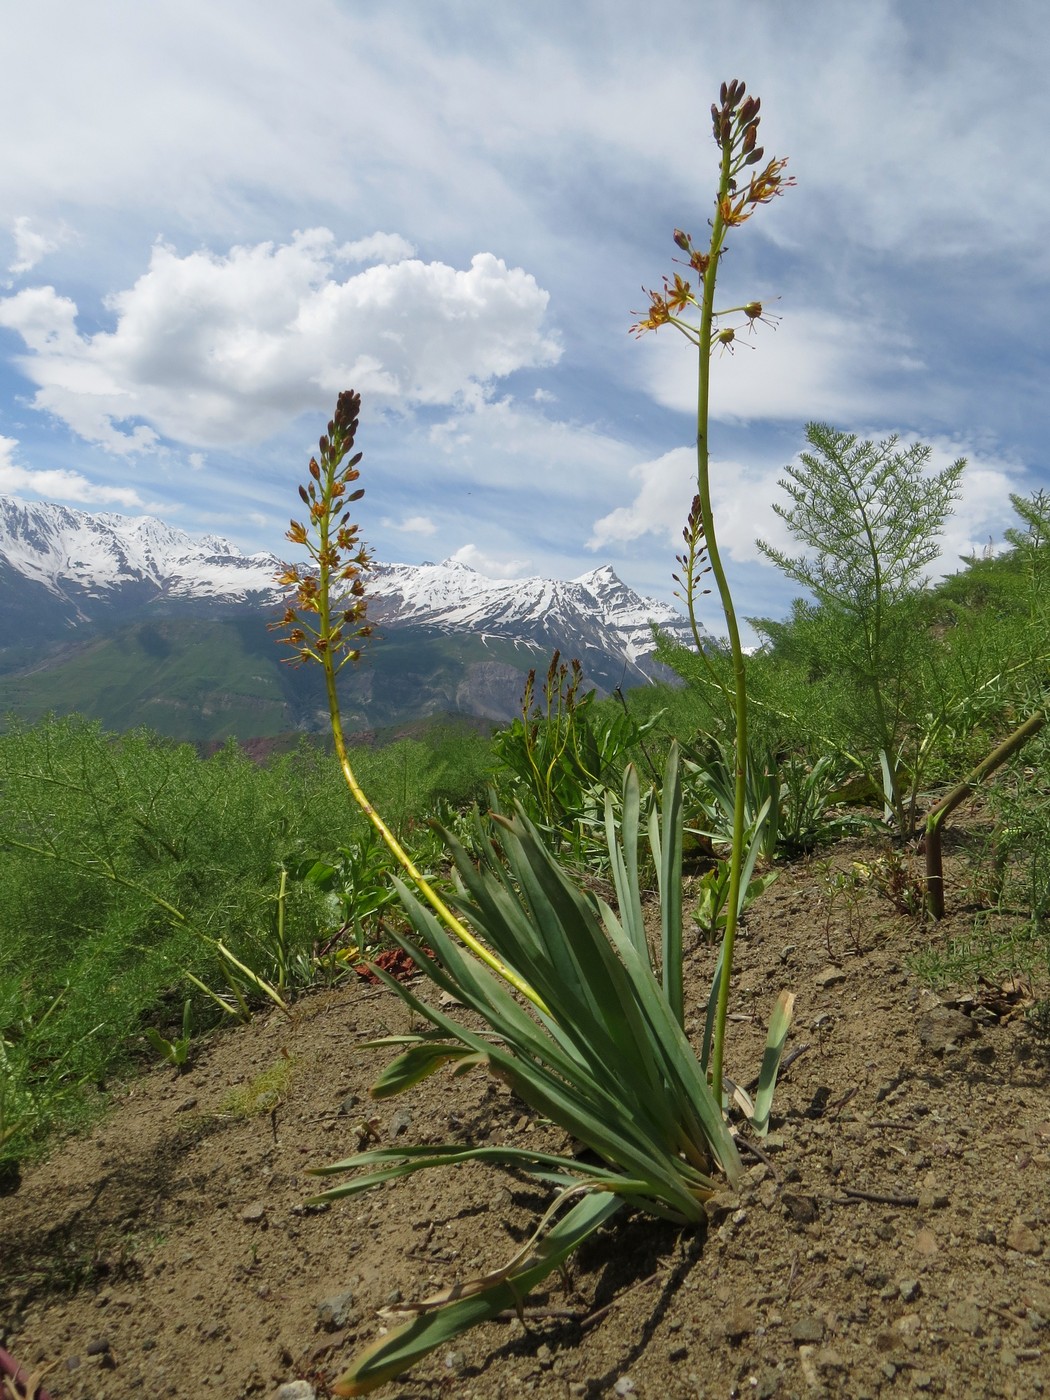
755 156
682 240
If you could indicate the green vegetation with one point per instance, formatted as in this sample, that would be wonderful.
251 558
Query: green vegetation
149 894
135 873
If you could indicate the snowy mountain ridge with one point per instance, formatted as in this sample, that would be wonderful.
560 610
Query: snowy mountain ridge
91 566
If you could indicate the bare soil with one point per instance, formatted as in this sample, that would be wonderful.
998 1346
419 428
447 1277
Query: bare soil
894 1241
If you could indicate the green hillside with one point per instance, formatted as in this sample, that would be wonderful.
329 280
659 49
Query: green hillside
202 679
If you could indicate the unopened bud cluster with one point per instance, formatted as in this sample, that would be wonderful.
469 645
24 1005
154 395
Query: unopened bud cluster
326 617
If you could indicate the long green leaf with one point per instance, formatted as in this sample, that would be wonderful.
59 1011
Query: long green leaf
398 1350
417 1064
779 1025
670 864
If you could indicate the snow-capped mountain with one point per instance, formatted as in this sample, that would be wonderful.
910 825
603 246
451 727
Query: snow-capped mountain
134 622
90 566
595 615
84 559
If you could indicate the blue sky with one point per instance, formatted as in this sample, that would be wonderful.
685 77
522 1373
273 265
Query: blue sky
214 214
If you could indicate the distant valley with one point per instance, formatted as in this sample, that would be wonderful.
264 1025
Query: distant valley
133 622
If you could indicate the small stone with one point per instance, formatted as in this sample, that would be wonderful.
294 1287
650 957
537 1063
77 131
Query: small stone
186 1105
335 1312
932 1198
98 1347
921 1380
829 977
624 1386
1021 1239
808 1329
828 1359
254 1214
454 1360
925 1242
965 1316
739 1323
767 1383
400 1123
295 1390
941 1029
802 1210
909 1289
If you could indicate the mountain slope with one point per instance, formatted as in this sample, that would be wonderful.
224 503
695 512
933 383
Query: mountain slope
134 622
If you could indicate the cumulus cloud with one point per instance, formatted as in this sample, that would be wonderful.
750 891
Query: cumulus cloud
378 247
212 350
743 497
31 245
492 565
502 443
811 365
412 525
59 484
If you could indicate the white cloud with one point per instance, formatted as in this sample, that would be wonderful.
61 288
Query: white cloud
413 525
31 245
215 350
500 443
492 565
812 365
378 247
59 484
743 496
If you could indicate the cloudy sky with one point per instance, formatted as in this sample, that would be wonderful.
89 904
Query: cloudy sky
215 214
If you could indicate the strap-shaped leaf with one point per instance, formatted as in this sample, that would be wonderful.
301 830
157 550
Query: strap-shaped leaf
779 1025
402 1348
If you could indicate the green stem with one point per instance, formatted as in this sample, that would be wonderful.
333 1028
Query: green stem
703 474
441 909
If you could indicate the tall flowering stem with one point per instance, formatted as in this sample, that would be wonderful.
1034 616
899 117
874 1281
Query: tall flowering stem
744 183
326 623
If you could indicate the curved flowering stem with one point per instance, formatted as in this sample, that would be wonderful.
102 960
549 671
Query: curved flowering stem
326 622
692 312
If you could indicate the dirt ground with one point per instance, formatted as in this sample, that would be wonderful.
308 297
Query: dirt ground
894 1241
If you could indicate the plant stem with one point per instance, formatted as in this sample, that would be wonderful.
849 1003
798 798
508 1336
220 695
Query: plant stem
739 697
441 909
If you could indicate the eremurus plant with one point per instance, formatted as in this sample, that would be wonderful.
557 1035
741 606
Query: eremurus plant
580 1017
744 183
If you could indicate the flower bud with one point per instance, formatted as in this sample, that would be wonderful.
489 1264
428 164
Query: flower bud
683 240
